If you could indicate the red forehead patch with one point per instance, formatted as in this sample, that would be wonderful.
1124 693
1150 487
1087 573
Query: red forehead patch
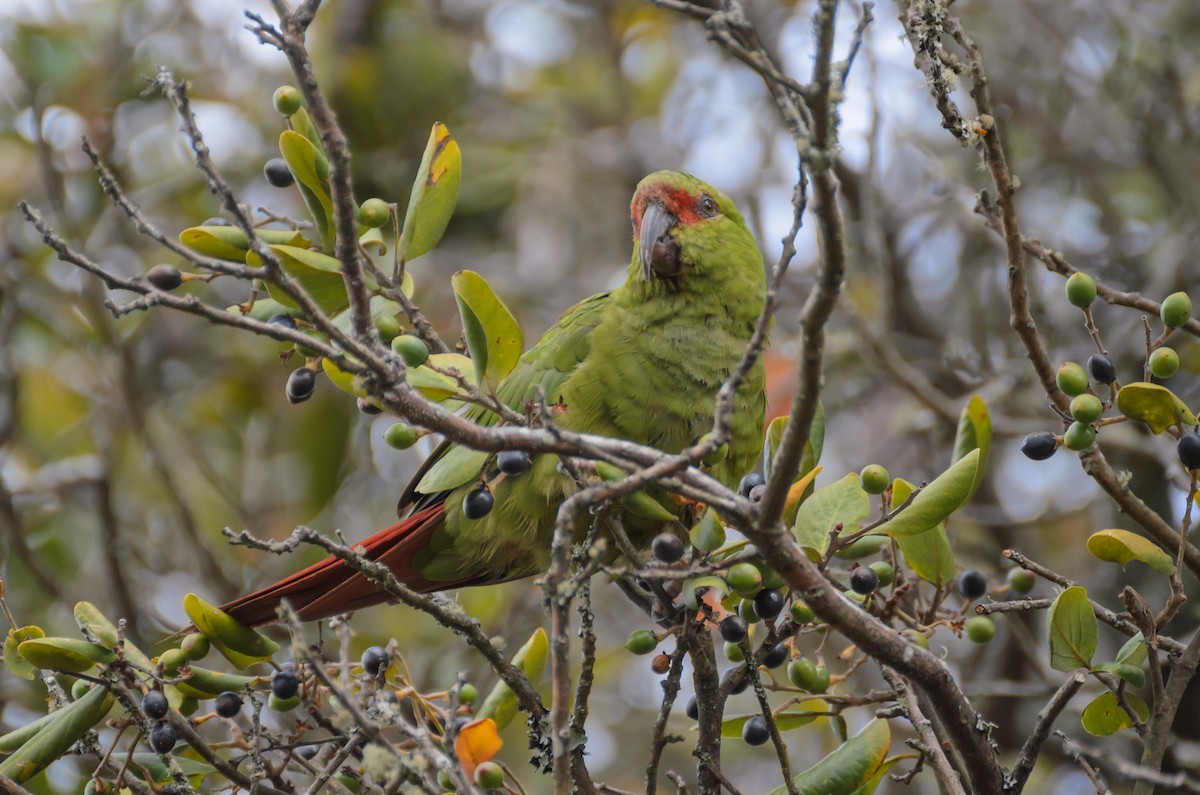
678 201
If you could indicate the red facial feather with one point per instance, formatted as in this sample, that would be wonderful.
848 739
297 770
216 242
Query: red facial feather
678 201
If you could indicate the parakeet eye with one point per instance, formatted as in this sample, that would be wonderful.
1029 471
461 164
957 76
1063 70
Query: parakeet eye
707 207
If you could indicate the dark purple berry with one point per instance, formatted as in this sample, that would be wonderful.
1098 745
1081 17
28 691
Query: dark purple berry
972 584
1189 450
308 751
774 657
739 675
756 493
863 580
283 320
368 408
768 603
1101 369
749 482
666 547
478 503
285 684
734 629
216 220
1040 445
300 385
513 462
374 660
755 732
164 277
163 738
693 709
154 705
228 704
277 173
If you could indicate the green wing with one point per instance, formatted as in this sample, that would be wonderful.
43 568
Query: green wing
548 364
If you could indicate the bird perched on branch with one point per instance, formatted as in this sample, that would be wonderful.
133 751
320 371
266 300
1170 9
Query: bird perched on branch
642 362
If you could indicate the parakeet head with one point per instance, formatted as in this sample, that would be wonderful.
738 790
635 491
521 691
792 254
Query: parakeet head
686 232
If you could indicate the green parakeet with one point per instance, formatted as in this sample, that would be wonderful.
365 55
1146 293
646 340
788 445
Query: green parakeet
642 362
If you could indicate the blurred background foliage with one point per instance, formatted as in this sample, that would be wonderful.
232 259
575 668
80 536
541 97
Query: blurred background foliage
126 445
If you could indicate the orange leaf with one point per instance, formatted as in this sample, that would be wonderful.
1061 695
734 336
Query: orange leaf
476 743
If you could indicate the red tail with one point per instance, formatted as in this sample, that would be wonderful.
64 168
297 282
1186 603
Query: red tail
332 587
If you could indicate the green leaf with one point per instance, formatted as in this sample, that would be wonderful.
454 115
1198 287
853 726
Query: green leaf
784 721
1122 546
231 243
159 773
240 644
974 433
1130 673
851 766
264 309
812 448
56 736
493 335
1072 630
1104 716
203 683
459 465
13 661
842 501
934 504
928 554
873 783
501 703
434 194
93 622
71 655
1133 652
319 274
310 167
1154 405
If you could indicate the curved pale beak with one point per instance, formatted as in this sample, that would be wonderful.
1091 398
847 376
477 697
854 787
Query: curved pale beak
658 249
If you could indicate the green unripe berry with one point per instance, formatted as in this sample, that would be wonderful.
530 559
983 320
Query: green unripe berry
1079 436
980 629
374 213
80 688
388 327
467 694
802 613
1086 408
884 571
747 612
875 479
1021 580
172 660
489 775
915 637
1071 379
189 706
444 781
277 704
1176 309
734 653
1164 362
864 547
401 436
195 646
1081 290
287 100
822 682
802 673
745 579
411 349
641 642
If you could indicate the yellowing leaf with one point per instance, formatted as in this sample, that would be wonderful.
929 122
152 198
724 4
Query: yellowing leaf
240 644
309 165
1104 716
231 243
852 765
1072 630
434 194
1154 405
13 661
437 386
476 743
1122 546
934 504
319 274
493 335
65 654
796 493
785 721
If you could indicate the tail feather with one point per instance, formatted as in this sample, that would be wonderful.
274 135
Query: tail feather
332 587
